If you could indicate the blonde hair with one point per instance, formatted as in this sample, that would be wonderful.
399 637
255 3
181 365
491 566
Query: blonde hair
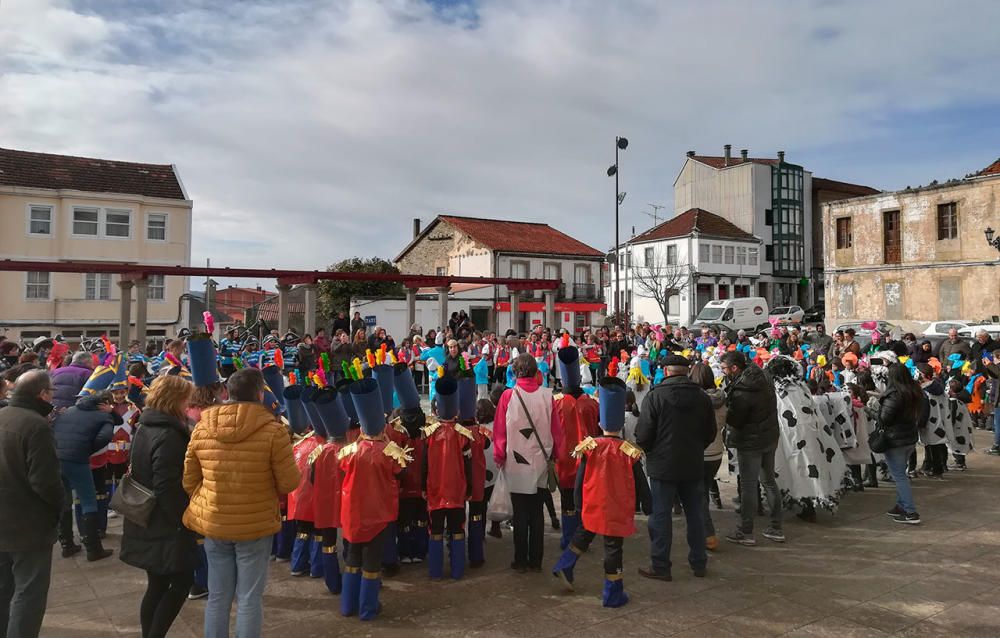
171 395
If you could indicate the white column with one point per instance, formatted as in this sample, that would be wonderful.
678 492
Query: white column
283 290
125 316
141 306
550 311
411 307
443 307
310 319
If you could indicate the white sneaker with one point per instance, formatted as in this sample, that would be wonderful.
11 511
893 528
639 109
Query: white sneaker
112 514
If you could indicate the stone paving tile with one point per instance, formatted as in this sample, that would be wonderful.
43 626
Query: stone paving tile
872 615
835 627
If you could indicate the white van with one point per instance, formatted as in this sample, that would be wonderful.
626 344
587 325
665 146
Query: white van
746 313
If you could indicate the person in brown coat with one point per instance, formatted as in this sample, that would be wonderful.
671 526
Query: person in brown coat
238 463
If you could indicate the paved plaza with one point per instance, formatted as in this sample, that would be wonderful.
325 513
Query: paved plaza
856 574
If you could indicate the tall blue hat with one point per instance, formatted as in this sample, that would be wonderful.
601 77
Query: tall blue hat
295 411
446 390
611 399
406 387
309 395
467 395
367 398
137 394
272 402
120 382
569 367
202 361
102 376
275 382
344 389
332 412
385 376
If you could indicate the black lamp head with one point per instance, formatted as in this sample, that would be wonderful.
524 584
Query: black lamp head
989 234
622 143
612 170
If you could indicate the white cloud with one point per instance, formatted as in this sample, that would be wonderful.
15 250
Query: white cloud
320 129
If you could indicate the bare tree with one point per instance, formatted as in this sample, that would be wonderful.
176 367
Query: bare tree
660 280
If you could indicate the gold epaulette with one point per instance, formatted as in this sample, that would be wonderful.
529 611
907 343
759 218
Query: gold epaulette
347 451
430 429
585 445
298 440
488 433
630 449
315 454
464 431
556 397
398 454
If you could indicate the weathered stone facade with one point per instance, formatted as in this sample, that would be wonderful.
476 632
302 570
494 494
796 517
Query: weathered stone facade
449 248
937 277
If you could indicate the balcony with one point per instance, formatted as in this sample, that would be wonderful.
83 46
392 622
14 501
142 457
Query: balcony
588 292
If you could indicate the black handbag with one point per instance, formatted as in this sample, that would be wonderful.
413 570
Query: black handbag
878 439
133 500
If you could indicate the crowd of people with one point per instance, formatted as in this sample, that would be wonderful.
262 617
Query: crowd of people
254 451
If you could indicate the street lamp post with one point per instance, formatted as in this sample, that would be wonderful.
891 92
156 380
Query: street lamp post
620 145
995 242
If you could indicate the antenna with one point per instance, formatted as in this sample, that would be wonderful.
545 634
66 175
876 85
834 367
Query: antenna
655 214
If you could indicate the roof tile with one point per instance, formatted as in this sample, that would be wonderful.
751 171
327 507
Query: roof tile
716 161
992 169
520 237
695 219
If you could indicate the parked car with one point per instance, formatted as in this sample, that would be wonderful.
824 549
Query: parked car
863 335
942 327
816 314
787 314
969 332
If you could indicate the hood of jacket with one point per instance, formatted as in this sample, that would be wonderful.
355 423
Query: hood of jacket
156 419
680 392
88 402
935 387
235 422
753 379
34 404
717 396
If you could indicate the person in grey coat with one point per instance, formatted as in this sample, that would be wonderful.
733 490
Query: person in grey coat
31 496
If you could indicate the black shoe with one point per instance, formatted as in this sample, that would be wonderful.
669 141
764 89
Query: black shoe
895 511
70 549
390 570
197 592
92 539
476 564
495 531
717 499
649 573
907 519
809 516
555 523
520 569
700 573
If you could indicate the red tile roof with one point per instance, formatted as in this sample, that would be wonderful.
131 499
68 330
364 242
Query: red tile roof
819 183
992 169
500 235
696 219
720 162
44 170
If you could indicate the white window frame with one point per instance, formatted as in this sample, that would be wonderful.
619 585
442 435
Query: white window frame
48 285
741 255
753 258
648 256
151 287
52 220
729 255
166 227
97 286
671 254
717 253
704 253
102 222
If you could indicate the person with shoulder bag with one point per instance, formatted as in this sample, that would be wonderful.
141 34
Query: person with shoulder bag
901 407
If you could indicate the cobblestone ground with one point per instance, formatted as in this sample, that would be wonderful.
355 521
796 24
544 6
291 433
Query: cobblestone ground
855 574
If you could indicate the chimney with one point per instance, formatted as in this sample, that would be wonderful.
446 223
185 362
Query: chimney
690 153
416 227
744 153
727 153
781 156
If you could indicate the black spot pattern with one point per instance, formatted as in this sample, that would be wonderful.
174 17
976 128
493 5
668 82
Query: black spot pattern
830 454
807 410
520 459
960 440
959 417
813 472
800 444
939 432
840 419
829 432
526 432
789 418
487 444
489 476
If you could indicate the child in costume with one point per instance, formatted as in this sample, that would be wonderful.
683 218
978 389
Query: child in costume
369 501
327 479
448 473
306 550
411 524
606 483
481 441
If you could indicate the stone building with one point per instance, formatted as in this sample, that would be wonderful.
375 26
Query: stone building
915 255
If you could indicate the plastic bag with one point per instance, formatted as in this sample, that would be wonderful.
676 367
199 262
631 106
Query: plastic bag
501 508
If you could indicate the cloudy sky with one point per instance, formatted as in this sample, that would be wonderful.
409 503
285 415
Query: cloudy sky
307 131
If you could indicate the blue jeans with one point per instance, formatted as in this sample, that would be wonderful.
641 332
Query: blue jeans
996 425
896 458
236 569
78 478
661 527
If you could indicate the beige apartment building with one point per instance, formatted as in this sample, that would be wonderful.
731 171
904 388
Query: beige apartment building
915 255
63 208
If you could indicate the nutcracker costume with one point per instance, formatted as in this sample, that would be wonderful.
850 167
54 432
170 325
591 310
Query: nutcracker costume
447 471
369 501
605 493
384 374
327 480
482 440
300 500
203 361
411 525
579 414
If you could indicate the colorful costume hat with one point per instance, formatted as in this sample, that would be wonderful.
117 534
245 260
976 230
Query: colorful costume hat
276 383
612 403
309 394
332 412
295 411
367 398
202 361
385 376
446 389
102 376
467 396
569 367
344 389
120 381
137 392
406 388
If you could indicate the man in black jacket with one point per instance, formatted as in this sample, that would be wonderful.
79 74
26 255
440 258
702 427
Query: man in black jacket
752 429
676 424
31 495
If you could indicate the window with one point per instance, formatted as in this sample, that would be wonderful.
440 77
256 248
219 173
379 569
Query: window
40 220
85 221
441 271
717 253
768 217
157 288
752 256
769 253
949 298
117 223
672 255
844 237
729 254
519 269
648 257
892 241
947 221
37 285
673 302
703 250
156 227
97 287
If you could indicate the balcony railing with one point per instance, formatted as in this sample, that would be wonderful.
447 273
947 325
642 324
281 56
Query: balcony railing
586 291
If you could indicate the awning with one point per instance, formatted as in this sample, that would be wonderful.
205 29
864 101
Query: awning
563 306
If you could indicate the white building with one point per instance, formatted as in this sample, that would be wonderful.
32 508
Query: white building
774 200
693 258
474 247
